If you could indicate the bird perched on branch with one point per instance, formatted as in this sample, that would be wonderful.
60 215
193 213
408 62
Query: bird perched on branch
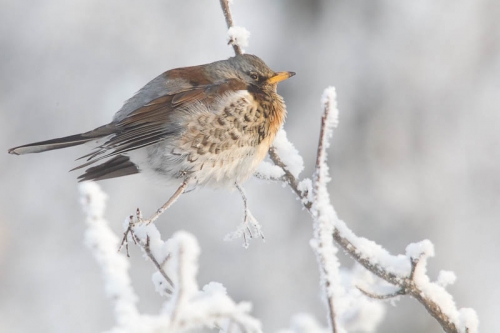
208 125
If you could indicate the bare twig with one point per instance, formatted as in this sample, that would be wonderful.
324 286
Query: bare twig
397 293
167 258
229 21
145 247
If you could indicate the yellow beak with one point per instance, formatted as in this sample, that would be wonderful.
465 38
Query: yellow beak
280 76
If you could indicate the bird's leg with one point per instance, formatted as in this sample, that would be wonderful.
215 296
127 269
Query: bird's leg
169 203
248 218
138 215
245 207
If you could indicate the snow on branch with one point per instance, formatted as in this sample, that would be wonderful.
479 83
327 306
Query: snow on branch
292 159
176 260
347 309
356 312
238 36
234 32
407 273
103 243
325 217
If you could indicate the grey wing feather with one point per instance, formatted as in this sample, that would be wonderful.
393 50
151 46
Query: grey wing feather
154 89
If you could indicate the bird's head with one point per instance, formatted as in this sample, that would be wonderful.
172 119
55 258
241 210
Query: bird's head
252 70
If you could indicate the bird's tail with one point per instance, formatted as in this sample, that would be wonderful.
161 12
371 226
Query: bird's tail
67 141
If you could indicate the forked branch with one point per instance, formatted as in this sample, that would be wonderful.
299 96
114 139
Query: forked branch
407 285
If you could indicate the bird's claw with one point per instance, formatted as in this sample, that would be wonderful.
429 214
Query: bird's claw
250 228
132 223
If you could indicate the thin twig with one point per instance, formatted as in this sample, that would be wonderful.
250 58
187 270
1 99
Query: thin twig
320 156
229 21
147 250
397 293
269 178
125 235
180 289
289 178
331 308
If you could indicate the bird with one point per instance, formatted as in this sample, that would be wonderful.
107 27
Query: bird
208 125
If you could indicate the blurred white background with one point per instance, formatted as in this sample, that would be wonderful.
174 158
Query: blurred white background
415 156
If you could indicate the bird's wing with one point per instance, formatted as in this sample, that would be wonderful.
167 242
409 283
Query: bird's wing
171 82
152 122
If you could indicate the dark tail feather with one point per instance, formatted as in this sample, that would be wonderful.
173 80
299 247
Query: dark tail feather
116 167
38 147
67 141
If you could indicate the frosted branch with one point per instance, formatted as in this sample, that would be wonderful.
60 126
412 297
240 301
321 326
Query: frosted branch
290 178
406 272
324 215
187 307
103 243
229 21
269 171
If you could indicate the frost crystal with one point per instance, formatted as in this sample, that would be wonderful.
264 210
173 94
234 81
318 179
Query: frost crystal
446 278
103 243
238 36
288 154
269 171
329 101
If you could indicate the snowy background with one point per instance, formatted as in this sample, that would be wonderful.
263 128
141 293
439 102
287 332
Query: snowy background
416 154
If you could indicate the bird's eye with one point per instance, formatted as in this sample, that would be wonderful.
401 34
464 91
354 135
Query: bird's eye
254 76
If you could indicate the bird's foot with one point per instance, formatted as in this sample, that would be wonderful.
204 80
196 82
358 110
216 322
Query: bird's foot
250 228
129 231
138 220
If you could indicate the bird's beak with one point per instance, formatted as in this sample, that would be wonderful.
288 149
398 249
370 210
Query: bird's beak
280 76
